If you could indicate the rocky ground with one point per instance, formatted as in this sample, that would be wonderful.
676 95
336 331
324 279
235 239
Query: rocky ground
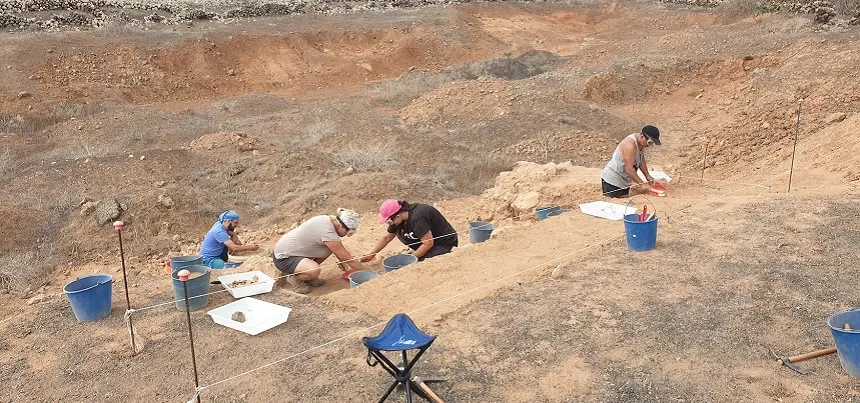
285 117
18 15
70 14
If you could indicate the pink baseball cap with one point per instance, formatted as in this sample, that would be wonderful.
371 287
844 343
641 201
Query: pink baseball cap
387 209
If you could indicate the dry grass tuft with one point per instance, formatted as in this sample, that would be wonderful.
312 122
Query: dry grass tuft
373 158
474 174
732 10
317 132
7 162
23 269
38 121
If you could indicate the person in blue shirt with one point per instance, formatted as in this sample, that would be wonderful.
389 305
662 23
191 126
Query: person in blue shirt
221 240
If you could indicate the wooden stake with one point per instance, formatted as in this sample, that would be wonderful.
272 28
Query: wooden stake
705 159
794 150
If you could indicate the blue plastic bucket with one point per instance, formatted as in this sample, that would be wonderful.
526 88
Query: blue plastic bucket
230 265
544 212
359 277
847 341
480 231
90 296
197 286
397 261
178 263
641 236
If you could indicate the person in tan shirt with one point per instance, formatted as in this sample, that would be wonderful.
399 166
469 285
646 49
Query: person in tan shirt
299 253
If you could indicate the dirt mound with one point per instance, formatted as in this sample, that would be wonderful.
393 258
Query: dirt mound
606 88
529 185
226 140
465 103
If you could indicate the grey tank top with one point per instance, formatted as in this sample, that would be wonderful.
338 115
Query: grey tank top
614 173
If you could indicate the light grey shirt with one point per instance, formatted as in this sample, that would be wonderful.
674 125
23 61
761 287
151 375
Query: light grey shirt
614 173
307 240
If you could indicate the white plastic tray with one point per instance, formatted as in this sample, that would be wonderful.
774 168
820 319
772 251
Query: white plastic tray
259 315
602 209
264 285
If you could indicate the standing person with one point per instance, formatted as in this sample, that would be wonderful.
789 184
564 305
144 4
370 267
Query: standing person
221 240
299 253
620 173
416 225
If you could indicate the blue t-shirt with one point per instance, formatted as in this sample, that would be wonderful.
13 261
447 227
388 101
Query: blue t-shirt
213 244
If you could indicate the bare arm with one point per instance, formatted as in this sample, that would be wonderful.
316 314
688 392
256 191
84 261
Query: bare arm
644 168
380 245
234 238
233 247
343 255
628 153
426 244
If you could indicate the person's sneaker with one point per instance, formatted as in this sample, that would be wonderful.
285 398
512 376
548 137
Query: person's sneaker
299 286
317 282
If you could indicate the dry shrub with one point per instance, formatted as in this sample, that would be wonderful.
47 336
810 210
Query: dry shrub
730 10
402 90
116 27
317 132
75 150
846 7
545 145
38 121
7 162
149 227
21 269
56 204
474 174
372 158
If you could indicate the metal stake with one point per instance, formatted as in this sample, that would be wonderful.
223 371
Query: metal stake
794 150
183 276
117 226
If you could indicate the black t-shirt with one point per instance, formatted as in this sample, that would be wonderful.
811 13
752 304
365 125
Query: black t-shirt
423 218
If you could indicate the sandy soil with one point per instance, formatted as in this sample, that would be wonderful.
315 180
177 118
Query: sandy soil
261 116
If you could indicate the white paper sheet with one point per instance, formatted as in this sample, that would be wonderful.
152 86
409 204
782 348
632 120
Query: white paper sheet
656 175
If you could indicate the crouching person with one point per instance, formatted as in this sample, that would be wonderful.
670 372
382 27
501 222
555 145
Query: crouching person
299 253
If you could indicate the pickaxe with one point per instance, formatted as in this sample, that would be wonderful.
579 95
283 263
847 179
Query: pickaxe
790 361
427 391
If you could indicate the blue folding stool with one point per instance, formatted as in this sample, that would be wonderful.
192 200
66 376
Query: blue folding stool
400 334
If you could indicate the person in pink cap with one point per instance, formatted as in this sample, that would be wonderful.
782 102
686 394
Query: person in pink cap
421 227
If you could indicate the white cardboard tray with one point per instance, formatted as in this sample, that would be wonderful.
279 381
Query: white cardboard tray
259 315
264 285
607 210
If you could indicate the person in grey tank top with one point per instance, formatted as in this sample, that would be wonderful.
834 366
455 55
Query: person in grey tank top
620 173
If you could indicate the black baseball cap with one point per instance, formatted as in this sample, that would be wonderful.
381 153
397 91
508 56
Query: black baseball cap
652 133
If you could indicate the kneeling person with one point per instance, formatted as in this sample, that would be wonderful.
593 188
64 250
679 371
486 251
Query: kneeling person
421 227
222 239
300 252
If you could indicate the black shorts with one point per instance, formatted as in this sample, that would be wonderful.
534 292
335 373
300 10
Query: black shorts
614 191
288 264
